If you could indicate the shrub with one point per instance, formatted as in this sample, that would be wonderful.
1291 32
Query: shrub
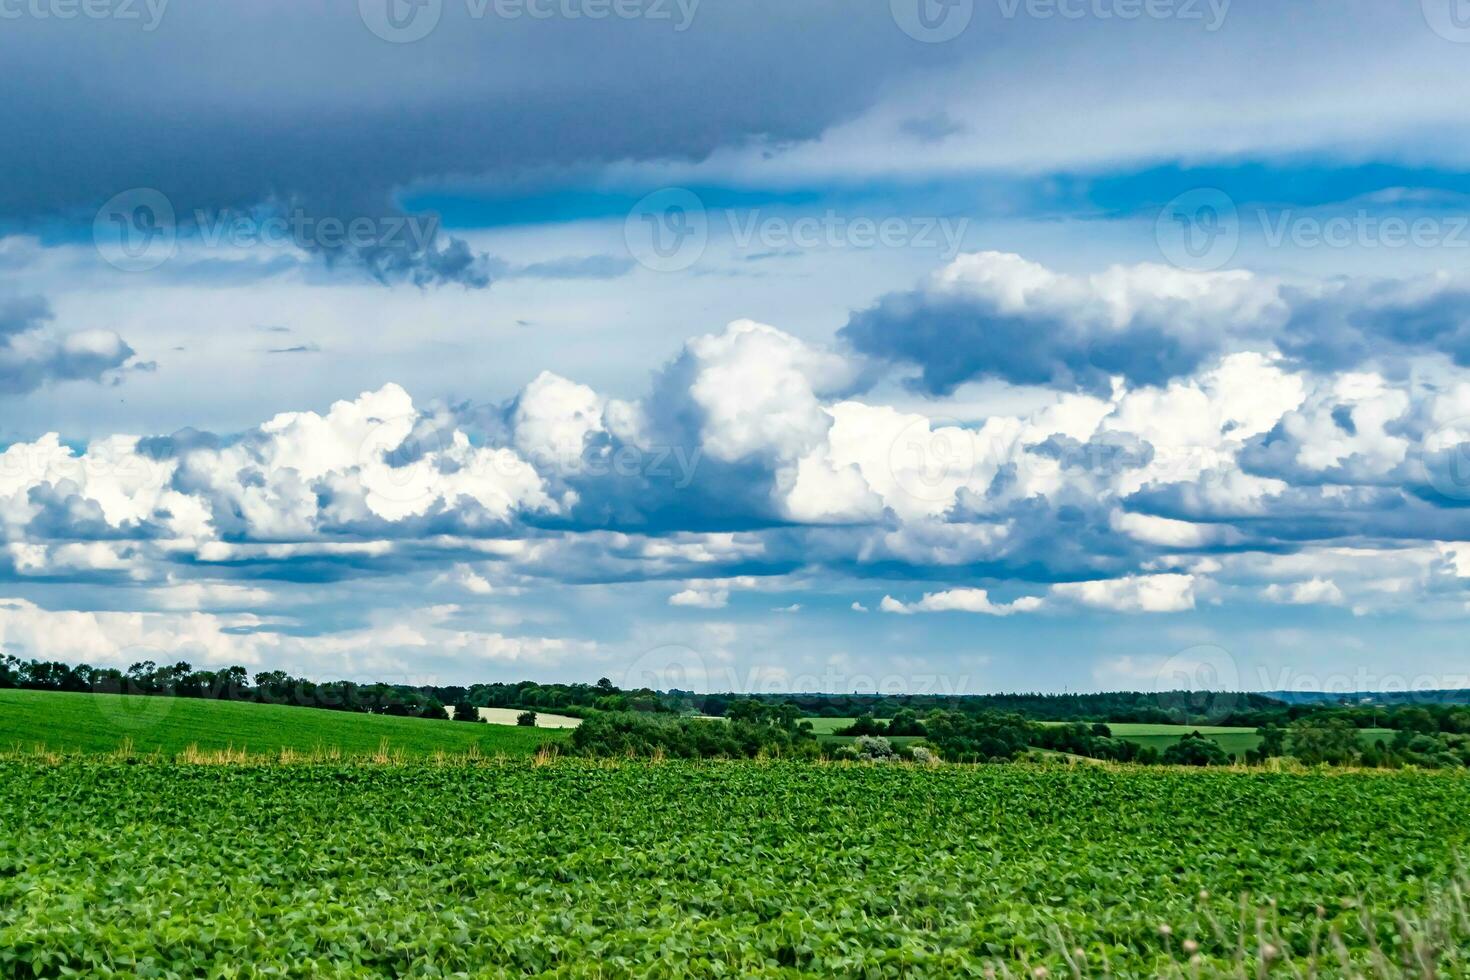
1195 750
526 719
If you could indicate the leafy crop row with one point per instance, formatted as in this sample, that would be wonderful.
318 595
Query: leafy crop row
579 868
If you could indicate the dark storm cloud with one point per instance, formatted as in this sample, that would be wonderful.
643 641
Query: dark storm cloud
225 107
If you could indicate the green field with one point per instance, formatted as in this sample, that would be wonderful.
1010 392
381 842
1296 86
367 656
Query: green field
1236 741
828 726
579 868
102 722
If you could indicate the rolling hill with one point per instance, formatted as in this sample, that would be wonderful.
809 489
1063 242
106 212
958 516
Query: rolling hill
103 722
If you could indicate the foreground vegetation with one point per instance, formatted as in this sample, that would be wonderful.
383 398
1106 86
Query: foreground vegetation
611 868
94 723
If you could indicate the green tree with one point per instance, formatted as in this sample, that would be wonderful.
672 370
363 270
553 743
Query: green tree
1195 750
464 711
1324 740
526 719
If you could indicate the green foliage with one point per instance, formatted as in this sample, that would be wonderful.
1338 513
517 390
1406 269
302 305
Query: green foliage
865 725
464 711
102 722
986 737
633 734
1316 740
1195 749
597 869
526 719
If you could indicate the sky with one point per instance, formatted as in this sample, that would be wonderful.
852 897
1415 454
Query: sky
940 346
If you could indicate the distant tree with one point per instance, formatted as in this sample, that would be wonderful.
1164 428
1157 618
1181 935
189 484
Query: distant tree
1415 720
906 721
865 725
1273 741
1322 739
1101 730
746 709
464 711
1195 750
526 719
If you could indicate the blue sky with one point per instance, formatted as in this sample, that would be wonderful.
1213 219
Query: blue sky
975 346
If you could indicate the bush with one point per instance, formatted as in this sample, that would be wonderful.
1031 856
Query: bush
464 711
865 725
631 733
1324 740
526 719
874 748
1195 750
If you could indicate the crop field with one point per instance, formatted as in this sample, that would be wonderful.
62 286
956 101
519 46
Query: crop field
575 868
508 716
103 722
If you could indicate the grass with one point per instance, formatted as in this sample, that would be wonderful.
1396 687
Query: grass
618 868
92 723
829 726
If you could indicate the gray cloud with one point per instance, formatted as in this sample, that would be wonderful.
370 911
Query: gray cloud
33 354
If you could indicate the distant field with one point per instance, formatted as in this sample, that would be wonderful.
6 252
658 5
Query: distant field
508 716
101 722
828 726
